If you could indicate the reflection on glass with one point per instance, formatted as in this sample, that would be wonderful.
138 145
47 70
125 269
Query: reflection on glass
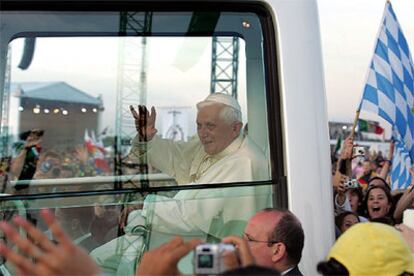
80 102
71 129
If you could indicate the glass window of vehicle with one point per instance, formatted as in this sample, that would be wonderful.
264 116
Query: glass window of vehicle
67 98
71 142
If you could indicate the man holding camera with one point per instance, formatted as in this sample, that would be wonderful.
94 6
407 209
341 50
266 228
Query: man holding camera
39 256
273 238
30 163
23 167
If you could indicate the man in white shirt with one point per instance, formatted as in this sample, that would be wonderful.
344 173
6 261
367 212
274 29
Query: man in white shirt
220 153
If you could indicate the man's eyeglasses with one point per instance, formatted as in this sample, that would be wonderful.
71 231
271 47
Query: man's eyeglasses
250 239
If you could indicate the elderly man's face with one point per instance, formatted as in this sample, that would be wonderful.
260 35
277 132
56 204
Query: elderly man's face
214 133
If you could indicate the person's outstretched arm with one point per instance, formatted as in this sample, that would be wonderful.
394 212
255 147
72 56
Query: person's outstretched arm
40 256
387 164
164 259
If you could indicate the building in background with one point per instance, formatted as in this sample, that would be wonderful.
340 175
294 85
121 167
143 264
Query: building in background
63 111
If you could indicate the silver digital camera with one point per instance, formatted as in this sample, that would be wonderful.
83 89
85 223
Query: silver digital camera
358 151
208 258
351 184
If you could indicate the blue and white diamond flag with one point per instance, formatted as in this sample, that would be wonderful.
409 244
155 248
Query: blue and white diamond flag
400 175
389 92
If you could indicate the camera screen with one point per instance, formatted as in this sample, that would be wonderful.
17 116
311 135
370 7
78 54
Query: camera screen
205 261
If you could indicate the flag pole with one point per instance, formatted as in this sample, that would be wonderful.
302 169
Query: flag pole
349 161
355 123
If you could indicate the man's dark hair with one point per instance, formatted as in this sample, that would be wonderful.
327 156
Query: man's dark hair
288 231
251 270
380 179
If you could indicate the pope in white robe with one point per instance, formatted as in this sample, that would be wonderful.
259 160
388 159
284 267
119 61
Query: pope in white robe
220 153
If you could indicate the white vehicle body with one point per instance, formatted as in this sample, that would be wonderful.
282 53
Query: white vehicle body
302 109
305 124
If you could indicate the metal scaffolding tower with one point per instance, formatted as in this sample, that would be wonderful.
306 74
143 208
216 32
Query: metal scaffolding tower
132 79
225 64
4 131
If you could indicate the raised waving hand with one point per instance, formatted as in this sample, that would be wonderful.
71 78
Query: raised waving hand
144 122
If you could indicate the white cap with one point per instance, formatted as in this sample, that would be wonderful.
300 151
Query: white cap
221 98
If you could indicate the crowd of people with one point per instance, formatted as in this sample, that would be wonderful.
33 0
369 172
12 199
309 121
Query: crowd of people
34 161
363 192
368 214
272 244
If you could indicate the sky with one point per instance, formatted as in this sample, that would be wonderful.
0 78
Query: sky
177 75
348 32
349 29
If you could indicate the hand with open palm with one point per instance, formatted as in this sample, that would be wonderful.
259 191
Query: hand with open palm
144 122
39 256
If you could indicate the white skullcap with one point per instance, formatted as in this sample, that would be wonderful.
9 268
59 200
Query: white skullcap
221 98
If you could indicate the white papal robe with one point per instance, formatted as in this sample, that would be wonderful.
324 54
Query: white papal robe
193 213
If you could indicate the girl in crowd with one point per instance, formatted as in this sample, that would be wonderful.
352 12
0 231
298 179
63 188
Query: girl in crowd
345 220
356 197
378 204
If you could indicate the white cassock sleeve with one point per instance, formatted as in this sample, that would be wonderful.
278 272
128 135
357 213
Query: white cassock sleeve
170 157
190 212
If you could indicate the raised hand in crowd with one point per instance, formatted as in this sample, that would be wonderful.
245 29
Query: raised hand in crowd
34 138
344 162
387 164
406 200
240 258
144 122
42 256
338 182
164 259
346 152
82 154
32 141
408 234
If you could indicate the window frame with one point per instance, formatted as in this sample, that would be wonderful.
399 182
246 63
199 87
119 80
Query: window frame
272 87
